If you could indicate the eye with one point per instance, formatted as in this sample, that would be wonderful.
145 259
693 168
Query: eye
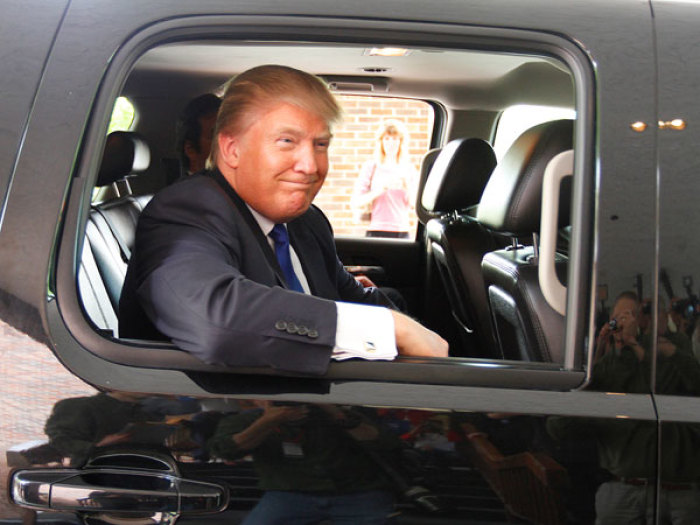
323 144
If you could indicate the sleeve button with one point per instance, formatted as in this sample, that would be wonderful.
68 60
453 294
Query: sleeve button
281 325
291 328
302 330
313 334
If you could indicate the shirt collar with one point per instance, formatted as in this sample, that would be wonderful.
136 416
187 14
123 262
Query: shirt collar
265 224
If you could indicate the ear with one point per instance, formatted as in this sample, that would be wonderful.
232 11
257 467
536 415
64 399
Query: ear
229 151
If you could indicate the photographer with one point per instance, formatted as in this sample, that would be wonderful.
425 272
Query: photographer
313 461
622 330
622 361
628 448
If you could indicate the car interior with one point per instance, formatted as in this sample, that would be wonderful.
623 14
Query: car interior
471 271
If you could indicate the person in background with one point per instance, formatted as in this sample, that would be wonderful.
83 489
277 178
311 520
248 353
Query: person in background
314 463
195 130
79 425
387 184
627 448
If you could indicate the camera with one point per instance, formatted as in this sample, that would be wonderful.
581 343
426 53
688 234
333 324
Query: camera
613 324
686 307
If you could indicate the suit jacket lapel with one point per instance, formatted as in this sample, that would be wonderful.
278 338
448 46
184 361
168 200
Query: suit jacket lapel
252 224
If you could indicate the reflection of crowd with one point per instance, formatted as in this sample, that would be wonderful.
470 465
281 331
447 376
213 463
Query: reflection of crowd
78 427
314 462
623 360
627 448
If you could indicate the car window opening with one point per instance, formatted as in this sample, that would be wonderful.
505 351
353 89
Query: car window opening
482 261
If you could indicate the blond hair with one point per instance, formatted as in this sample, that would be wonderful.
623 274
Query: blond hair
393 128
260 87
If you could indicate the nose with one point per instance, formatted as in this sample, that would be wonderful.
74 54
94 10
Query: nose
306 161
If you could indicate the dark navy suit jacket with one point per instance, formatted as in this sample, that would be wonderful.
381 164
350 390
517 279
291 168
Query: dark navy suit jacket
203 275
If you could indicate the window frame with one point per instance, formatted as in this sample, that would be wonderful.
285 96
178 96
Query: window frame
124 364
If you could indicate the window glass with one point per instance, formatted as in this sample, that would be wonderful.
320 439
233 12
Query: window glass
123 115
516 119
359 169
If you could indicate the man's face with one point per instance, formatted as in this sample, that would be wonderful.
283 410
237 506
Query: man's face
278 164
198 155
625 312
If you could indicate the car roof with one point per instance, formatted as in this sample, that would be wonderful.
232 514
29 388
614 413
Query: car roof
458 79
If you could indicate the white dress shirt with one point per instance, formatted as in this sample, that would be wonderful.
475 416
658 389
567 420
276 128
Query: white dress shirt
362 330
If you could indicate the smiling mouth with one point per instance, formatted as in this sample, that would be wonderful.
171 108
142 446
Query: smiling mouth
309 182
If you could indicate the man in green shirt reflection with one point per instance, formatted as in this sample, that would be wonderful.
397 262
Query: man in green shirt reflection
315 463
627 448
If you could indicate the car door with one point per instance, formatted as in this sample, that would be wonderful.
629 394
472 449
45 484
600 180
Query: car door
27 44
677 330
467 409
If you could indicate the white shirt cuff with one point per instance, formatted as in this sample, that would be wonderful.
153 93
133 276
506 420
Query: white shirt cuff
364 331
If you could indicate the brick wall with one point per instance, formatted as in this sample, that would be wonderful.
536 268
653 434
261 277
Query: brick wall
353 144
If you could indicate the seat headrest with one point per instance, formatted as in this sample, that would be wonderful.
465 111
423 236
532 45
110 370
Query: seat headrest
426 165
458 176
512 199
125 153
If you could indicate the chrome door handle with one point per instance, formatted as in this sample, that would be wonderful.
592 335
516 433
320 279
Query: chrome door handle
115 490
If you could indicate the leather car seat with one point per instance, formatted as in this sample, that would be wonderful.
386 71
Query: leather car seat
527 327
458 242
110 229
426 165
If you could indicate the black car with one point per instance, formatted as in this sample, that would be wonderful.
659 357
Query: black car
550 242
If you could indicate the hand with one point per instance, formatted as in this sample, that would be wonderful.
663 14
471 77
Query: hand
605 332
284 414
627 328
365 281
113 439
413 339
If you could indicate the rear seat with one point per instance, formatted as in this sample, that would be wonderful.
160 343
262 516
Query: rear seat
110 230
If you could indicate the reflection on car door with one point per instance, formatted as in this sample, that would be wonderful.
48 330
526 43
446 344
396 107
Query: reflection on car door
678 331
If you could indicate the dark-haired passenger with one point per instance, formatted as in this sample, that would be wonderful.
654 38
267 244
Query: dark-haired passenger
195 130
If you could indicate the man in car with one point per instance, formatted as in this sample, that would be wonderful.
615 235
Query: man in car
237 267
195 129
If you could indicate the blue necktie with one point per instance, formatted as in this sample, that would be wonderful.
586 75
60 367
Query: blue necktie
281 237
